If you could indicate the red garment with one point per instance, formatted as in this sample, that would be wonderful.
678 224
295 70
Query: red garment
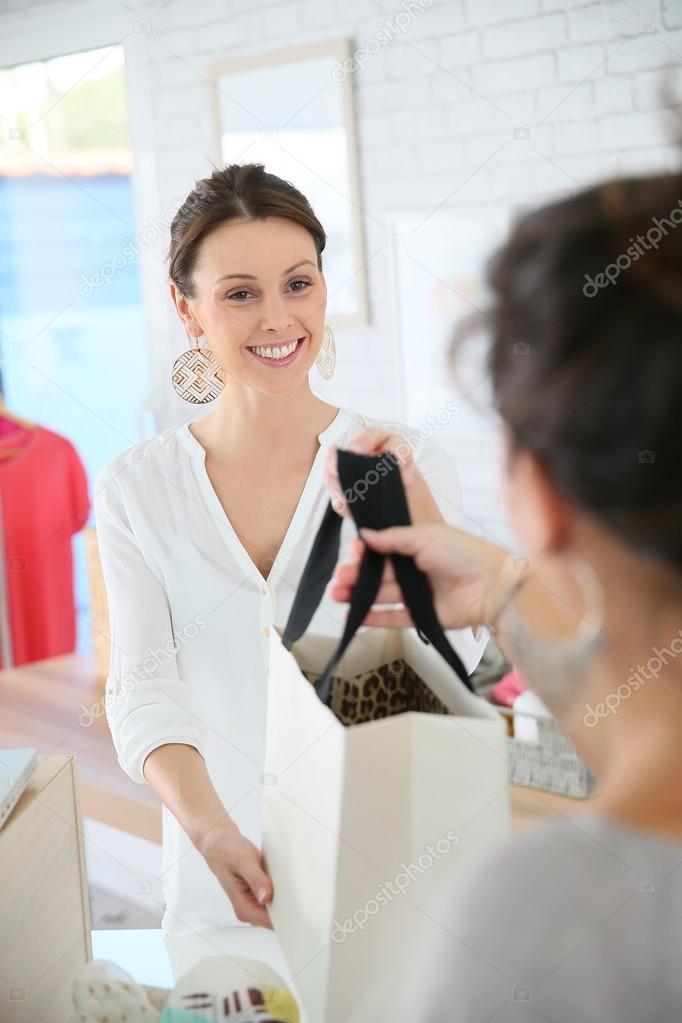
508 688
45 500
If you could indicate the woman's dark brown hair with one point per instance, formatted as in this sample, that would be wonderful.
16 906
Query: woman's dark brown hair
238 191
585 352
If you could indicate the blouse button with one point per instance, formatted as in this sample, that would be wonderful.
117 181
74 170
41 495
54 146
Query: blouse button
264 591
266 631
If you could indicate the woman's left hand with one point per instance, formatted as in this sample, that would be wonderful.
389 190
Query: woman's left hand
377 440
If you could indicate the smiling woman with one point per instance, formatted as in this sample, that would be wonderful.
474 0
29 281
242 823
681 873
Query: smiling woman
229 307
263 313
215 519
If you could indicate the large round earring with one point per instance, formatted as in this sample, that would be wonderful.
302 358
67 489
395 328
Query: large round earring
559 667
197 377
326 359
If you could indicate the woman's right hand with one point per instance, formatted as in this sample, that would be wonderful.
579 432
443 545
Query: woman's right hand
236 862
467 574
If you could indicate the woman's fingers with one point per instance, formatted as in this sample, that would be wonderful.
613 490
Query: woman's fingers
258 881
356 550
260 884
253 887
396 539
246 907
333 484
346 576
389 619
370 441
347 573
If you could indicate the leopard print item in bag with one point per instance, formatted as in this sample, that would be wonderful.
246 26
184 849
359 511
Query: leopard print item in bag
391 688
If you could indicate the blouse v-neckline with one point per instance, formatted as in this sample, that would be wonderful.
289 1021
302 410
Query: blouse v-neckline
308 494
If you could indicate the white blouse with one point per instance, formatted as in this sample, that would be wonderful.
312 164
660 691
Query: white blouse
190 615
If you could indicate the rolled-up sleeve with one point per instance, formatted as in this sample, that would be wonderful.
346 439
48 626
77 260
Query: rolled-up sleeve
147 704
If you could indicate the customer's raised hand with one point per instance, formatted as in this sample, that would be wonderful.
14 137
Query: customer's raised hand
465 572
236 862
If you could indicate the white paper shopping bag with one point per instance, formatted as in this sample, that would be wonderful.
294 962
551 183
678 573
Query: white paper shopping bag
367 825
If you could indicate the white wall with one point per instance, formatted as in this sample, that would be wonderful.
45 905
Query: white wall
439 106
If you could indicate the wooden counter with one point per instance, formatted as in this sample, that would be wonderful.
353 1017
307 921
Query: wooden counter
40 706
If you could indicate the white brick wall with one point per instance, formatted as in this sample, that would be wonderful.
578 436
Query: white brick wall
437 108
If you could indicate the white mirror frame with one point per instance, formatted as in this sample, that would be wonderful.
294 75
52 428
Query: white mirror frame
341 49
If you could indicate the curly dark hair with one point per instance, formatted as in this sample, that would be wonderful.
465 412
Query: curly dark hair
585 352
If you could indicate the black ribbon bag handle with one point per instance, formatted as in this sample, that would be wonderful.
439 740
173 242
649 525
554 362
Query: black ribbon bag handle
376 499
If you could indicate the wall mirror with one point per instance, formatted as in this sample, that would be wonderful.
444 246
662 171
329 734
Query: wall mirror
293 112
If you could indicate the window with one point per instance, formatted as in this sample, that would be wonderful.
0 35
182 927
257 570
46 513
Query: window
72 334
